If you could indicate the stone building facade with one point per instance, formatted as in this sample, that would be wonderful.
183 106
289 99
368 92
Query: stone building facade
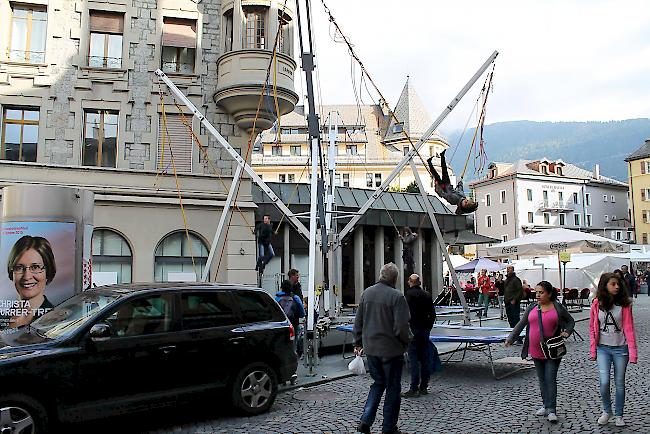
81 105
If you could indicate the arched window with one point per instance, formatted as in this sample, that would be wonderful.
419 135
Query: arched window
174 255
112 254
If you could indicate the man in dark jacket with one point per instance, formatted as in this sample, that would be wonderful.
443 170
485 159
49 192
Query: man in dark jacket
514 292
630 280
408 241
381 331
264 231
423 315
292 283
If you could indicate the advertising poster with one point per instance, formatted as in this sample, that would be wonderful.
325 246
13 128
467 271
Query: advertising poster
37 261
87 271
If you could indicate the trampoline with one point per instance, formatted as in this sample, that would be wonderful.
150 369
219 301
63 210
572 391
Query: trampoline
446 313
468 338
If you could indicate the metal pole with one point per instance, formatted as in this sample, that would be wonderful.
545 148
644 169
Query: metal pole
234 155
330 222
384 186
441 243
220 233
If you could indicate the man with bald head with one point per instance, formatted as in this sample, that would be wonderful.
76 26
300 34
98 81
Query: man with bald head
423 315
514 292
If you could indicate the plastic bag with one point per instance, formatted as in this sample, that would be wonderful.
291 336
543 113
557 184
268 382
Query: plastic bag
356 366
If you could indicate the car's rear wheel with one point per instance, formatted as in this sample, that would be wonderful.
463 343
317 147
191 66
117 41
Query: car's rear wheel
21 414
254 388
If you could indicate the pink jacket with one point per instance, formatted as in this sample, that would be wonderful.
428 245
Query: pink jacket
628 330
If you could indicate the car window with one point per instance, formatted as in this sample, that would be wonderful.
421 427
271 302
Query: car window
142 316
207 309
255 306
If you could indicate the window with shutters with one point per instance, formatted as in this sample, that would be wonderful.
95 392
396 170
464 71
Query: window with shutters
254 27
178 45
28 34
19 134
106 30
100 138
174 142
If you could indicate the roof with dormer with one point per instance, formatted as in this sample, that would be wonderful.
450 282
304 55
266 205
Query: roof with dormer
411 113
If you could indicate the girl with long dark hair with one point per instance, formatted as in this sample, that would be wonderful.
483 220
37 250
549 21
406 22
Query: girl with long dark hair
612 341
555 321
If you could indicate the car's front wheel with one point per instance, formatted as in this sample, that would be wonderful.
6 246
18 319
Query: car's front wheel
21 414
254 388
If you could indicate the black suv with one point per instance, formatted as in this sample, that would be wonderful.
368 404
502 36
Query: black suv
125 348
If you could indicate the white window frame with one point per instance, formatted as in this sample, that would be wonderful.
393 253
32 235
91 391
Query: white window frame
488 221
369 179
488 199
378 179
531 217
502 196
605 198
589 221
588 199
606 218
529 194
612 199
561 217
576 219
619 235
504 219
282 177
346 179
576 198
291 178
547 221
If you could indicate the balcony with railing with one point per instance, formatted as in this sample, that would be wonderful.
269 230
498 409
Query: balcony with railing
104 62
248 35
25 56
558 206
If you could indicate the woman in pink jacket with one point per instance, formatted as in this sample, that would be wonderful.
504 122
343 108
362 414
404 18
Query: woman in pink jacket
612 341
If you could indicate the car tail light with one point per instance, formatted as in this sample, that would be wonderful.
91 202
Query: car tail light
292 332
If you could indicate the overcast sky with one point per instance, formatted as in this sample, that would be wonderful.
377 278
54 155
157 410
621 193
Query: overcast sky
559 60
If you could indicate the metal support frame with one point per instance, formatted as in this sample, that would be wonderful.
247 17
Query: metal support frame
441 243
234 155
408 157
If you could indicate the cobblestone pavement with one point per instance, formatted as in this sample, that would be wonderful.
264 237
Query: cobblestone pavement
464 399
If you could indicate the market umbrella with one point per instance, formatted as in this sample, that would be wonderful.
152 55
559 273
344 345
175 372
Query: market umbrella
554 242
480 264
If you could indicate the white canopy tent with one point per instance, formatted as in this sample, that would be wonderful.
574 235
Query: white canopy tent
554 242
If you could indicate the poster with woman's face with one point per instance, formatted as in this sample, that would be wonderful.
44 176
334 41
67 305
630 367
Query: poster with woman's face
37 269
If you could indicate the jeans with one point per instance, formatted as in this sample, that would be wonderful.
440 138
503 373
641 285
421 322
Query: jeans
606 356
484 300
501 306
512 311
387 375
266 253
547 376
419 358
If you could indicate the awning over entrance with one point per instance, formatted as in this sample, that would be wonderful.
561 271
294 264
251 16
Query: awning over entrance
406 209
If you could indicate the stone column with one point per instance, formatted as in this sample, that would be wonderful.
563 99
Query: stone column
417 255
399 261
286 255
379 249
358 263
437 279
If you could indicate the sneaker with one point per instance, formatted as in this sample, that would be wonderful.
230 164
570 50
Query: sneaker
604 418
619 421
424 391
411 394
552 417
541 412
363 428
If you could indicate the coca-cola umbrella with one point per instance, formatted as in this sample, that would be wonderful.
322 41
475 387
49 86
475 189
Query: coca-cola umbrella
554 242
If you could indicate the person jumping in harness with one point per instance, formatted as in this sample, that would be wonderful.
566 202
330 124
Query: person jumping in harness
455 196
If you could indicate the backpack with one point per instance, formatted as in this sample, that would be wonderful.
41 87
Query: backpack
289 306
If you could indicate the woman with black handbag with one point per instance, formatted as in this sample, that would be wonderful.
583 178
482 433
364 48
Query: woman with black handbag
545 343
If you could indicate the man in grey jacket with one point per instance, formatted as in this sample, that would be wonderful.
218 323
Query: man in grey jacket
381 330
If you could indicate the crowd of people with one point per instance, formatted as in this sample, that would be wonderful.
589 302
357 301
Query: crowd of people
388 324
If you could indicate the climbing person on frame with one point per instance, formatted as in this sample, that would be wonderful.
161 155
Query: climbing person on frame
455 196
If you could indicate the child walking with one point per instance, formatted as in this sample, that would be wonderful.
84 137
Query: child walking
612 341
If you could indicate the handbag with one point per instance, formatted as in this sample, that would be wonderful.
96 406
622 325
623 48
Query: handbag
553 347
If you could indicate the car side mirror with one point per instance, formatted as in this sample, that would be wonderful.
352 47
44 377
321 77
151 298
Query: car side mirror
100 332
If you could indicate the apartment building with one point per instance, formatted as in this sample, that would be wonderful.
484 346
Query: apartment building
638 169
369 144
80 105
530 196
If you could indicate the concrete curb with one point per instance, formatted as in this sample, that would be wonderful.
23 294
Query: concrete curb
315 382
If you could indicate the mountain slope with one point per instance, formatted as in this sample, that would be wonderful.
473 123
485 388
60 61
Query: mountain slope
581 143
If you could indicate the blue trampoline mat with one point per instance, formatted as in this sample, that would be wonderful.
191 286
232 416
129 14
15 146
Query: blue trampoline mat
460 334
